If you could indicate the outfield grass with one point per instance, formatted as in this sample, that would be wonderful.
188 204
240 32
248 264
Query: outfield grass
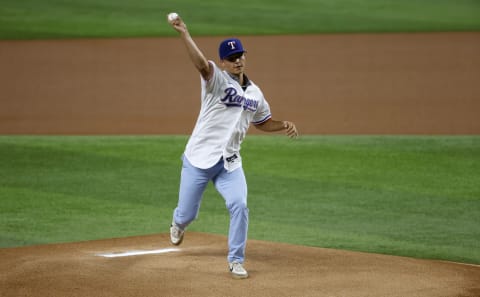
411 196
29 19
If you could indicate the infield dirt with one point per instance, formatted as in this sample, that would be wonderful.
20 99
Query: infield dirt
199 268
326 84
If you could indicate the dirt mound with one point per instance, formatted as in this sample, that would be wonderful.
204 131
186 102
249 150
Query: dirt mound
150 266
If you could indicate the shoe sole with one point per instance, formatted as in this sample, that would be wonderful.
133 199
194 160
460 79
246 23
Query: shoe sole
239 276
178 243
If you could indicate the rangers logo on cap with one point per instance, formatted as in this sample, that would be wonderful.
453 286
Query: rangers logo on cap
229 47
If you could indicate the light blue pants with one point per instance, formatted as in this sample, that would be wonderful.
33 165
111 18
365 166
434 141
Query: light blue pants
233 188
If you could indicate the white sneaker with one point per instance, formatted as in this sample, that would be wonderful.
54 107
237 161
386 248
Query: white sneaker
237 270
176 234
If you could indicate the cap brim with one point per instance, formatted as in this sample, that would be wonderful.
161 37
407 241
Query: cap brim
233 53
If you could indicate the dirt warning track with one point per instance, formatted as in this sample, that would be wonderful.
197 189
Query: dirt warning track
150 266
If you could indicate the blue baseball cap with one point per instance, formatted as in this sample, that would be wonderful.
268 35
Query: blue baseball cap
229 47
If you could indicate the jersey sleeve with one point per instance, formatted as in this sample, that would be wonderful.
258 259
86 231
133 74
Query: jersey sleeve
213 84
263 113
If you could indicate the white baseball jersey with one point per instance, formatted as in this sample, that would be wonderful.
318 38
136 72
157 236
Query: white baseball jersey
225 115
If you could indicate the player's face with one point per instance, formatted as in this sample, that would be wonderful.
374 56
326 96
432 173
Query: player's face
235 64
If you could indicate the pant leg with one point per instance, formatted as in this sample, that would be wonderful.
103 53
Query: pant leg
193 182
233 187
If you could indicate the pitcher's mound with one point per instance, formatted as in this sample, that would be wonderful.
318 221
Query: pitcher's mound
150 266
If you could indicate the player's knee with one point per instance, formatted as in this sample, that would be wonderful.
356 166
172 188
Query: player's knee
237 205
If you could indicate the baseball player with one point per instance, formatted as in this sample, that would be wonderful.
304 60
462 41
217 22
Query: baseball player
230 101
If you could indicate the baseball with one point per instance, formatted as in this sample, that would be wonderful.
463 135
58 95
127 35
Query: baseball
172 16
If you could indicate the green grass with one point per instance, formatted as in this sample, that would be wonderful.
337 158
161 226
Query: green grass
411 196
29 19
